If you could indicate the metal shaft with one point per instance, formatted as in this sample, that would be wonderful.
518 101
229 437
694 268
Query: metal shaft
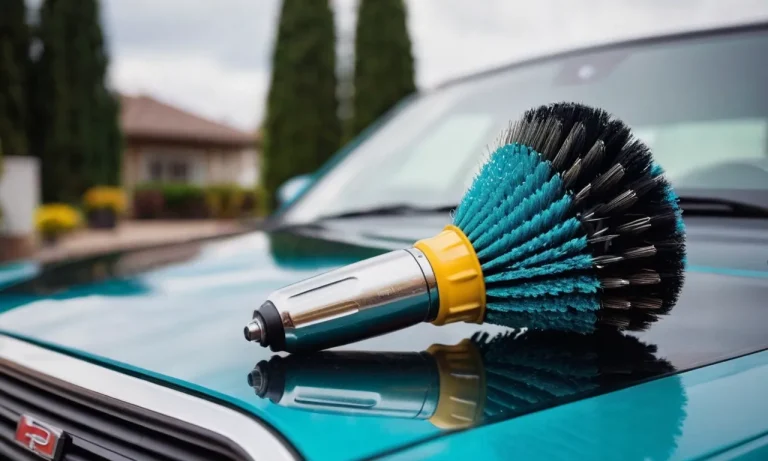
365 299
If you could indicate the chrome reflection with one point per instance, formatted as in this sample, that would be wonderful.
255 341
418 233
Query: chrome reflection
478 380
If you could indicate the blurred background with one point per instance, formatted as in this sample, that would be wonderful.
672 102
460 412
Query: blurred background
126 123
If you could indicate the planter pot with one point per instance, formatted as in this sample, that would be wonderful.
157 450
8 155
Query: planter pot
102 219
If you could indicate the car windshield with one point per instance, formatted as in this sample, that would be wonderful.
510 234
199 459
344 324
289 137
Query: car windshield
701 103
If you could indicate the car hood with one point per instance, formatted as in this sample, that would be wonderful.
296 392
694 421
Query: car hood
176 314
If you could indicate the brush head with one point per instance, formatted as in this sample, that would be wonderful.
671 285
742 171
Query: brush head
574 224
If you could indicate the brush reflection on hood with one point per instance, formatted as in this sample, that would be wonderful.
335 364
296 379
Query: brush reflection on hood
484 379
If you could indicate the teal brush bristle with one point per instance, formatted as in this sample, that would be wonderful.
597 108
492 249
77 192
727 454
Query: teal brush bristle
574 224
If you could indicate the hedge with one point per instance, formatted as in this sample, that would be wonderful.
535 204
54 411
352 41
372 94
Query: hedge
186 201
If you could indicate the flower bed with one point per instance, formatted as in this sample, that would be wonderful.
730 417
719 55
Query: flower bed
184 201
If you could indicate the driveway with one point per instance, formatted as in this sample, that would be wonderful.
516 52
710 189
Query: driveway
133 235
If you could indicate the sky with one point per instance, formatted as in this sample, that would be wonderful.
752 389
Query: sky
213 57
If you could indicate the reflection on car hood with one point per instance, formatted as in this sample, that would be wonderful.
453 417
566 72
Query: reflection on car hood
177 314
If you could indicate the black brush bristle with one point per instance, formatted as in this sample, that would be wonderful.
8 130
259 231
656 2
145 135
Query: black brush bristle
626 207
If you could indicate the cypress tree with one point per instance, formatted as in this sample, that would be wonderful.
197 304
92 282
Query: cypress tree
301 128
14 60
383 60
111 165
75 129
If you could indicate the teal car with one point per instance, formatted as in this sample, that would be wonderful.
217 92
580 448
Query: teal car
140 355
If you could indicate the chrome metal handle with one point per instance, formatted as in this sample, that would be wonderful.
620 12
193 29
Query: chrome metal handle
368 298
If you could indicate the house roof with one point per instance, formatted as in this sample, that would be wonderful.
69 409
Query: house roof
143 117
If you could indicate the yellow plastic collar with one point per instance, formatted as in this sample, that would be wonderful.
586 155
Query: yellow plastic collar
458 274
462 385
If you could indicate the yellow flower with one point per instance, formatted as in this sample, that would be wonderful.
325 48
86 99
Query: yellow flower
56 218
105 197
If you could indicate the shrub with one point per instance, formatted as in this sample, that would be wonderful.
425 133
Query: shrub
173 201
262 199
250 201
225 200
185 201
104 197
148 203
54 219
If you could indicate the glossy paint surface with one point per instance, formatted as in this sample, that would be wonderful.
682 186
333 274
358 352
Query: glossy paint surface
717 411
176 315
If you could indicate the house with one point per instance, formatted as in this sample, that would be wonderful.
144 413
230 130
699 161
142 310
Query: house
166 144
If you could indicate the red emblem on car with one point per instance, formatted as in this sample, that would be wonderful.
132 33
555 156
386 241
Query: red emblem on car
39 437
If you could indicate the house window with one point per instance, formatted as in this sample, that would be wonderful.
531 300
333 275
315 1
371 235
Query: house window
179 171
156 171
168 168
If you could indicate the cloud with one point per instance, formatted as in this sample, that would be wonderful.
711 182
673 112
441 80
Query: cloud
236 33
196 83
214 57
456 37
211 58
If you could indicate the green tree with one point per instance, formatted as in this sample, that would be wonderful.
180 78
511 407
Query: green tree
301 128
75 118
383 61
14 60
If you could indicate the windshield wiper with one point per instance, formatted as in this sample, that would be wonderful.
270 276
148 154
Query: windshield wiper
711 206
402 209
